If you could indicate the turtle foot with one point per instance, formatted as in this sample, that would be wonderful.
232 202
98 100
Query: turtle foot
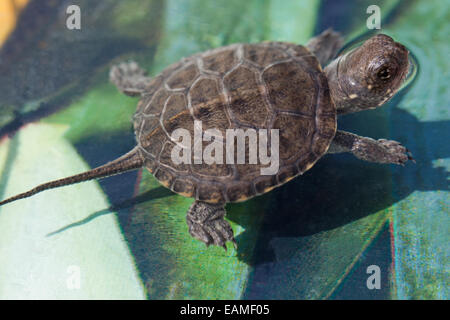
129 78
206 223
396 153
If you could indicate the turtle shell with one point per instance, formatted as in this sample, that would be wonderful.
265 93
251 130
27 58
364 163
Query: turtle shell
270 85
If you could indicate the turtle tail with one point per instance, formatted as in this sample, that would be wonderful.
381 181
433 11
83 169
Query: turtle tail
130 161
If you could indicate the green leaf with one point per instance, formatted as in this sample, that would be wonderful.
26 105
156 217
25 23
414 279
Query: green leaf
301 241
36 265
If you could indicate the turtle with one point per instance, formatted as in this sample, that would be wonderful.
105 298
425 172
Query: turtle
294 90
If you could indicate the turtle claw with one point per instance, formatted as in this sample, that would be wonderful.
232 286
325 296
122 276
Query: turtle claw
234 243
409 154
411 158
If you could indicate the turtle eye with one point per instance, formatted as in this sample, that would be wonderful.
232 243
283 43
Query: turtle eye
384 73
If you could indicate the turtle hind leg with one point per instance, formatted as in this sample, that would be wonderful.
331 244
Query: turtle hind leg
206 223
129 78
326 45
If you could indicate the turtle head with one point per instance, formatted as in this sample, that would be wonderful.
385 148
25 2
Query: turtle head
368 76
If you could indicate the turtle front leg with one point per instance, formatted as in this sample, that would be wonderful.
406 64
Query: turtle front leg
206 223
368 149
326 45
129 78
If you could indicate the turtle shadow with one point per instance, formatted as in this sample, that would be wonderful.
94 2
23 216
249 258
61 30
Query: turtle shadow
122 209
340 189
120 189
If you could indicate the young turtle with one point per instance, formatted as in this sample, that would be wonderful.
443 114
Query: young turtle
269 85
